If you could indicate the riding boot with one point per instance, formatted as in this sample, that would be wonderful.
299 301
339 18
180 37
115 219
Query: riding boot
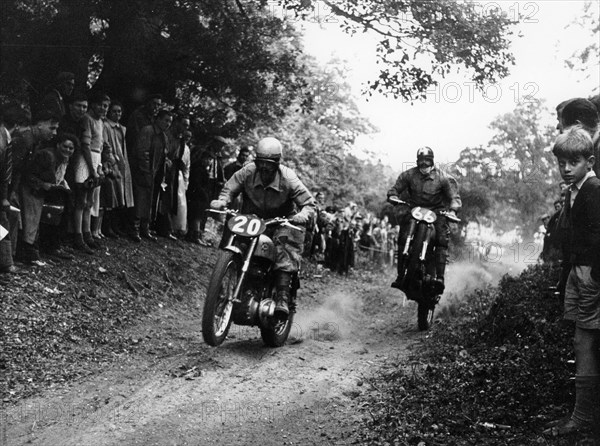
283 281
441 255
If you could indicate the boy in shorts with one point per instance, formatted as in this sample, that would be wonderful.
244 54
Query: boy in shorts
574 151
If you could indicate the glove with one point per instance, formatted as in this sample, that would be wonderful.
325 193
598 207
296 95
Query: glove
298 219
218 204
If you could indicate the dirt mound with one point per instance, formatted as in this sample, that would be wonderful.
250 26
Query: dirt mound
65 319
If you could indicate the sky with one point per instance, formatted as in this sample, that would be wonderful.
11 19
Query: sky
455 115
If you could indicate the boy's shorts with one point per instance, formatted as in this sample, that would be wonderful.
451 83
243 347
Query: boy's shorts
582 298
83 196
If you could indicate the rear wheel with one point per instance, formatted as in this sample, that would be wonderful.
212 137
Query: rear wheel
216 315
276 335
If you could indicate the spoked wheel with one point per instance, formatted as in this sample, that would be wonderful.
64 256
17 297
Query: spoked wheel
216 315
425 315
277 335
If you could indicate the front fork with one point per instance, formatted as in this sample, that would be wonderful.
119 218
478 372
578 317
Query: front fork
411 234
426 239
245 265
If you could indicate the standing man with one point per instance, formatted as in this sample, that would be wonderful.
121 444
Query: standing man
167 207
149 157
24 144
60 95
12 117
141 117
114 135
242 158
94 123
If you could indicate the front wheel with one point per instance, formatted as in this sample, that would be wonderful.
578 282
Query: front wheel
216 315
424 316
277 335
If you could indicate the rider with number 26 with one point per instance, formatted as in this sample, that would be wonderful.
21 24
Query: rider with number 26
433 189
271 190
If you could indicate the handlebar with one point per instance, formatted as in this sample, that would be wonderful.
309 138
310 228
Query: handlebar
452 218
281 221
224 211
449 216
395 200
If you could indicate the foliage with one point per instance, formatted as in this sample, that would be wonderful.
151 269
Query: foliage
492 377
317 142
515 179
237 62
227 64
420 42
586 58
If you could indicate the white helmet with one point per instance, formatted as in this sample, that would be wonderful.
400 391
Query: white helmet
269 149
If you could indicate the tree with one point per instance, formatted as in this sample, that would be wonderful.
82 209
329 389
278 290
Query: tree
228 64
421 41
318 140
587 59
515 179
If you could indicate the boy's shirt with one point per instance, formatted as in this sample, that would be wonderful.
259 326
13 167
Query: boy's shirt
574 188
583 213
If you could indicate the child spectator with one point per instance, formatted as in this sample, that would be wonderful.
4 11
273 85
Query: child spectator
574 151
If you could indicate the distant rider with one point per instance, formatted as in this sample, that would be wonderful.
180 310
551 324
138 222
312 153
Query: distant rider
431 188
271 190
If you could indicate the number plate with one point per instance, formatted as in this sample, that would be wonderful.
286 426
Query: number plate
246 225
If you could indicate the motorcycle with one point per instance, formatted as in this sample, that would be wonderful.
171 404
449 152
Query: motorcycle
242 285
418 272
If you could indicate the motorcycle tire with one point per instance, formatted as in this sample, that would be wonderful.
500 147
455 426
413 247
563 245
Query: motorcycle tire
277 335
424 316
218 306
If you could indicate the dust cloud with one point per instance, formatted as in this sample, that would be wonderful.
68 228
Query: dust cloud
478 268
330 321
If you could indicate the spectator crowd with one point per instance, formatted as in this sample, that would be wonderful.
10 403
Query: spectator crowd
72 174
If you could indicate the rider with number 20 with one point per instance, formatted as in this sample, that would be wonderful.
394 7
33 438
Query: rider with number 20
433 189
271 190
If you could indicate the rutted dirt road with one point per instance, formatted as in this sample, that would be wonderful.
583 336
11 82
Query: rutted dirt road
178 391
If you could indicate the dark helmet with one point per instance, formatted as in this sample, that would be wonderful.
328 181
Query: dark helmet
425 153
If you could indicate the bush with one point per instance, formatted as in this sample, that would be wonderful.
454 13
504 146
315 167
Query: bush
494 376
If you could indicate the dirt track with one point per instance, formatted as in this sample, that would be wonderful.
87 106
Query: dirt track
181 392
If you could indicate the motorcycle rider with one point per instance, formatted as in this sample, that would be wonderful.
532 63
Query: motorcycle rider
271 190
431 188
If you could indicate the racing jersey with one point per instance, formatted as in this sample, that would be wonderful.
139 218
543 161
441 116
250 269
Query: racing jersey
435 190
